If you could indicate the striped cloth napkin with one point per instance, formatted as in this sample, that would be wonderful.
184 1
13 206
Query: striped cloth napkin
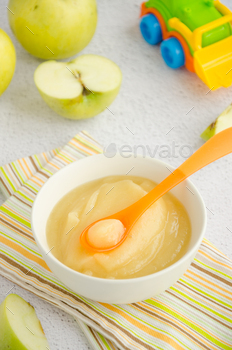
195 313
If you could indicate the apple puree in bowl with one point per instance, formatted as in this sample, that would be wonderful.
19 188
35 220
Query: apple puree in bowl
158 239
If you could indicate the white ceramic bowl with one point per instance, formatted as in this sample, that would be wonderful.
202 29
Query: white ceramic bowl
95 167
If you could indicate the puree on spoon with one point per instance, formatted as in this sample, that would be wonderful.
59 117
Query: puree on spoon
106 233
158 239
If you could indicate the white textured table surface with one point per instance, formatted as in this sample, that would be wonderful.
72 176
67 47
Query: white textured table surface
153 100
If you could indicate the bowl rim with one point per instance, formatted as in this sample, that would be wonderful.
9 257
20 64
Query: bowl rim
168 269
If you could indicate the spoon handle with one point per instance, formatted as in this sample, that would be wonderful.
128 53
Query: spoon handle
217 147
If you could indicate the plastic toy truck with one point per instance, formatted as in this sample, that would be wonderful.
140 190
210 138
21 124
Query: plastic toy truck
194 33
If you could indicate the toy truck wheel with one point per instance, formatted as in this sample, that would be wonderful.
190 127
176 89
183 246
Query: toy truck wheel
151 29
173 53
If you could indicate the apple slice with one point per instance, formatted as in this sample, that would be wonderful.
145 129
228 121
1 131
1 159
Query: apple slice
19 326
222 122
81 88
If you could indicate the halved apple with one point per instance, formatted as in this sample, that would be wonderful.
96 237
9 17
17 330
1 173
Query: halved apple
81 88
222 122
19 326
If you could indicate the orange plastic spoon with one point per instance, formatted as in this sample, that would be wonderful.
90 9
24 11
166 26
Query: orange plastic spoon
217 147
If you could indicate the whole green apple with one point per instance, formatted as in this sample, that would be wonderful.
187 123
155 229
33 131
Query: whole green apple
81 88
7 61
53 29
20 328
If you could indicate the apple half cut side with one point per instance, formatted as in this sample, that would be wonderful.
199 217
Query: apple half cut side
19 326
81 88
224 121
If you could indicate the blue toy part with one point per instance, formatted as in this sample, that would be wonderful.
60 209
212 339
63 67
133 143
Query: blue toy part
173 53
151 29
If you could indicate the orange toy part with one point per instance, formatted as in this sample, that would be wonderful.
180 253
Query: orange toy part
166 34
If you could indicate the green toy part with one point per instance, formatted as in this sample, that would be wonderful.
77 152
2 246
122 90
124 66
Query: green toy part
194 14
